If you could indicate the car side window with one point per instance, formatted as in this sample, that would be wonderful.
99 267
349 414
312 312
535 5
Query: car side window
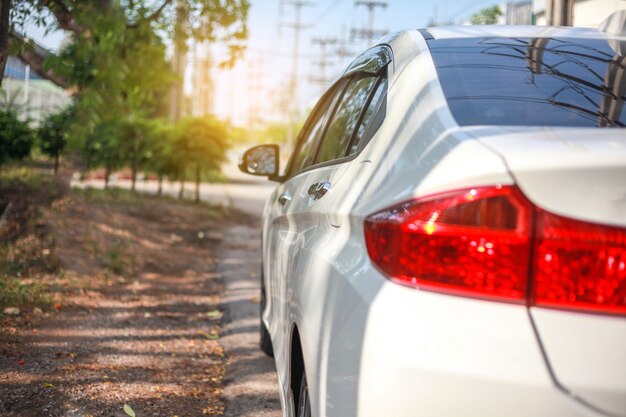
313 129
345 119
367 119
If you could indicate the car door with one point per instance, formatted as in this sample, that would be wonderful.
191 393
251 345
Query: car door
331 139
288 223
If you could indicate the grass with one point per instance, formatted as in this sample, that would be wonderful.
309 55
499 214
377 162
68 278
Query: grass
12 176
123 197
118 260
15 292
26 248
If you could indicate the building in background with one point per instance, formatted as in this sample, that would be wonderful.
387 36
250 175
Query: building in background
202 91
581 13
517 12
31 93
513 13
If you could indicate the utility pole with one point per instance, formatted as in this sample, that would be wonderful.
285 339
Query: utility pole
297 26
203 91
559 12
370 34
255 89
179 60
323 62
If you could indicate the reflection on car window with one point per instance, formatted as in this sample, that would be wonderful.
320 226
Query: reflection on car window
531 81
367 117
345 119
305 152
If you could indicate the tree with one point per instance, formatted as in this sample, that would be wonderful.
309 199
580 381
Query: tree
52 134
202 144
161 135
487 16
213 20
5 11
102 148
16 137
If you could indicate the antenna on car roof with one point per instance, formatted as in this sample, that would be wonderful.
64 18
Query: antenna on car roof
615 24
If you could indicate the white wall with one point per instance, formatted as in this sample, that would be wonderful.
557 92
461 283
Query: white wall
590 13
40 99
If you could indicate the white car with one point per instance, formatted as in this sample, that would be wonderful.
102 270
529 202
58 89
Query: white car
449 236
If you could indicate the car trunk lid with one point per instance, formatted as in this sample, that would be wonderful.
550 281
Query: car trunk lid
578 174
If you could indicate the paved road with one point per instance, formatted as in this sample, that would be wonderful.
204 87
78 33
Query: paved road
251 384
248 196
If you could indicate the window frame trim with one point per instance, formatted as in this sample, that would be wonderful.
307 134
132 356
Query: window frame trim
383 107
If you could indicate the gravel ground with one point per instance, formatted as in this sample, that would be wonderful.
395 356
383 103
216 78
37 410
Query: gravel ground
149 335
251 385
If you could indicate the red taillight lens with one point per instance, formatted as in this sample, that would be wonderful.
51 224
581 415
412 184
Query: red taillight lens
478 243
578 265
471 242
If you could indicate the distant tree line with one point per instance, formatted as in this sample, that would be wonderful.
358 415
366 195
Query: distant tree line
115 64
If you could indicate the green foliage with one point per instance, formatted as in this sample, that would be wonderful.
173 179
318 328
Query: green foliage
202 143
115 62
17 293
16 137
53 133
487 16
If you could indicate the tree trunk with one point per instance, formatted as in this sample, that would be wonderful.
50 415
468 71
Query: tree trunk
198 172
107 175
133 177
179 59
5 8
56 164
181 191
160 188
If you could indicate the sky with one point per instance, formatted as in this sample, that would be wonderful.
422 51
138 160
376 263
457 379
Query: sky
255 89
269 56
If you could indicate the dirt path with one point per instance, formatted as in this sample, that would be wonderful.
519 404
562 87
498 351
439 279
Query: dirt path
251 385
141 325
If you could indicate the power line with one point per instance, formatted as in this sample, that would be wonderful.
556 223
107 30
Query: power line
323 62
468 6
369 33
297 27
329 9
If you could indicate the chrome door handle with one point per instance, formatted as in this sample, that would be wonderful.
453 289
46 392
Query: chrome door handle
319 189
284 198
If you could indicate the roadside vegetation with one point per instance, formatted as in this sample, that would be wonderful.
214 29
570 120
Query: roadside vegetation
81 266
123 86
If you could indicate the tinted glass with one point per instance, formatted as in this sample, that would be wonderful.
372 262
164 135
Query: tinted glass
531 81
304 154
376 100
345 119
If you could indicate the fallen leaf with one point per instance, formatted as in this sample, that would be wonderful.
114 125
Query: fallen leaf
12 311
214 314
58 307
47 385
37 311
129 411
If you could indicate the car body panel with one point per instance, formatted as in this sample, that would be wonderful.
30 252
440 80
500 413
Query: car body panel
578 173
587 355
372 347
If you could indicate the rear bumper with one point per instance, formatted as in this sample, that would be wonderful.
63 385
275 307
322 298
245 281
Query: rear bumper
431 355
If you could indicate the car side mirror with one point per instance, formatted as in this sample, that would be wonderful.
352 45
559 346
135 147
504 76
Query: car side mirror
261 160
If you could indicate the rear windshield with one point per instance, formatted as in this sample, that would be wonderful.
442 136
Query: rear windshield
531 81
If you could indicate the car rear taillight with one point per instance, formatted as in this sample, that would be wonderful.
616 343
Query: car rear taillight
578 265
492 242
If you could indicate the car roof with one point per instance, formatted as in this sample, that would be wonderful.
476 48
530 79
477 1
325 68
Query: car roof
507 31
